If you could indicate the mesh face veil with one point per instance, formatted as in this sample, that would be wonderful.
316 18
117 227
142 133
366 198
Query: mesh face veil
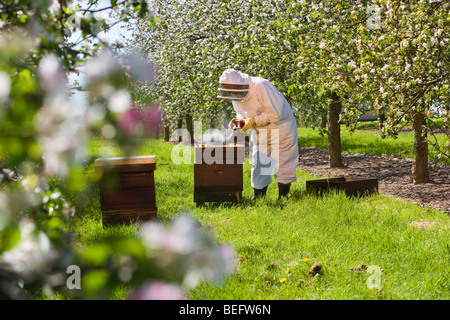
232 92
232 86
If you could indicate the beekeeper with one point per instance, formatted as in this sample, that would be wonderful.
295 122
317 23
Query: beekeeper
274 140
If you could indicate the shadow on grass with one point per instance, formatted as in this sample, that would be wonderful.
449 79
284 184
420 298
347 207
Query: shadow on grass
268 201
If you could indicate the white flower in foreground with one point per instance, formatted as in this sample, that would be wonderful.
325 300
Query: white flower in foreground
32 255
51 75
184 246
119 101
180 237
5 86
101 66
322 45
59 124
54 7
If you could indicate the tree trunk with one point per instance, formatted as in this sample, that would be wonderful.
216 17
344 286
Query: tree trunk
180 126
190 127
334 132
166 132
420 173
323 122
381 119
212 123
166 127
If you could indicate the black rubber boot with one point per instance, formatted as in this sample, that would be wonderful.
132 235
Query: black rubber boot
283 190
258 193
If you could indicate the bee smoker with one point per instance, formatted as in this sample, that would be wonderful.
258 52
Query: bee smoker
236 126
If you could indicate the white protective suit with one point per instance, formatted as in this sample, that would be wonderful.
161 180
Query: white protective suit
275 142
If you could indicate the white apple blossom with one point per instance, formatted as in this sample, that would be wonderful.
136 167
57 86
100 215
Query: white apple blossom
407 67
384 67
32 255
59 124
203 259
352 64
54 7
119 101
5 86
102 65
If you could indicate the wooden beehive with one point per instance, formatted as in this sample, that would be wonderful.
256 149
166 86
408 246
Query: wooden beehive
218 173
127 189
352 186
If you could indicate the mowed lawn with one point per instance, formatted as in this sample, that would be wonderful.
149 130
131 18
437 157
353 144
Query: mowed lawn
305 247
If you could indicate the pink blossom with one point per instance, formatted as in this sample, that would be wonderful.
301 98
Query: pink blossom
139 121
159 290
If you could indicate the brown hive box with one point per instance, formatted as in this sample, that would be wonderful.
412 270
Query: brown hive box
218 173
127 189
350 185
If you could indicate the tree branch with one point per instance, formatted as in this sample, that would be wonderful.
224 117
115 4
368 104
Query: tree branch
101 9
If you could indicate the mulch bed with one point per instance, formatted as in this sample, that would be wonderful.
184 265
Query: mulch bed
393 174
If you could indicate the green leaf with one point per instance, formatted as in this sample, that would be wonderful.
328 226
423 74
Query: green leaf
131 247
23 18
9 237
23 83
94 280
96 255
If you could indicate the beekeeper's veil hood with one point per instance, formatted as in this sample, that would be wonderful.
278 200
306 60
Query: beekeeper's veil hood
234 85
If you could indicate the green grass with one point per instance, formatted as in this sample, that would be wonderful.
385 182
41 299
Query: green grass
340 234
369 141
272 237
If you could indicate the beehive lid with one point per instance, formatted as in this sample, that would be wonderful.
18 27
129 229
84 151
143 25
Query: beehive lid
119 161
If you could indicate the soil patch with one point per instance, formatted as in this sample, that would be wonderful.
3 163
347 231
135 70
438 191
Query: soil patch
393 174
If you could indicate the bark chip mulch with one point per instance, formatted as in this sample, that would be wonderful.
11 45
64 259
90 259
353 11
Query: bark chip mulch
393 174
